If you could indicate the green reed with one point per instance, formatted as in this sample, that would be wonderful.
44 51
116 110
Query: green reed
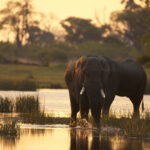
27 104
9 129
129 127
6 106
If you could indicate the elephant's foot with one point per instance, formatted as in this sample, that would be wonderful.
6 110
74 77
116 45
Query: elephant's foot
135 115
84 123
72 123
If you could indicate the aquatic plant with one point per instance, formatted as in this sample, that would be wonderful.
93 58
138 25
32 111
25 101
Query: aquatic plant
27 104
6 106
129 127
42 118
9 128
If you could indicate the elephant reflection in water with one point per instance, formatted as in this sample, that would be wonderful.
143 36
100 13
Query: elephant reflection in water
91 140
81 140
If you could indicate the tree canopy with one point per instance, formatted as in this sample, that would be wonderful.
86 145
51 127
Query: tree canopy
80 30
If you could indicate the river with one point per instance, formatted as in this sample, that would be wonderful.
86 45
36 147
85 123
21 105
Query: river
61 137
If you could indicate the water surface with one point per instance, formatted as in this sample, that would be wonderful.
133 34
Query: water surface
63 138
57 102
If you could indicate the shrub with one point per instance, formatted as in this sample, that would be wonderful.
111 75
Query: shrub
143 59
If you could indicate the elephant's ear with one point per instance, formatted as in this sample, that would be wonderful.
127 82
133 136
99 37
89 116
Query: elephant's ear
69 75
79 69
79 64
106 70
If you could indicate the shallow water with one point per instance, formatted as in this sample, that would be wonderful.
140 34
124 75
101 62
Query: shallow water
61 137
58 137
56 102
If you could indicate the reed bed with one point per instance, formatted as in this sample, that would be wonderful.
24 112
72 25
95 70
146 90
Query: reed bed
28 109
6 105
27 104
9 129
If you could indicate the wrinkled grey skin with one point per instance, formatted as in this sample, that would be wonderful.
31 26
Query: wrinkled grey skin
114 78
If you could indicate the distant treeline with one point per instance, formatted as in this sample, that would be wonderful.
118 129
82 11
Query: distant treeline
127 35
54 52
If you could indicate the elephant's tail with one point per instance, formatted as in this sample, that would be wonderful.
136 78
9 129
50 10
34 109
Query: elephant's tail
142 105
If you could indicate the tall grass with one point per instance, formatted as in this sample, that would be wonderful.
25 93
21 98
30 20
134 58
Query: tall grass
42 118
130 127
23 104
27 104
6 106
9 129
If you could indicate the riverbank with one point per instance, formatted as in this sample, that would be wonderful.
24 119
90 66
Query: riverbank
31 77
29 109
110 126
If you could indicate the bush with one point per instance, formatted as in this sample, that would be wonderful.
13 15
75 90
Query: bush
143 59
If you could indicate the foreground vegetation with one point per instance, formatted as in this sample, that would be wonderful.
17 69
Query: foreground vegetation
129 127
28 109
9 129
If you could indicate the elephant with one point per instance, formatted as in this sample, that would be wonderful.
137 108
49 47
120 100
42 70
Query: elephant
94 81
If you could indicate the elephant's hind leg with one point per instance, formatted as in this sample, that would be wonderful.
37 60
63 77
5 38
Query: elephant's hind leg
136 101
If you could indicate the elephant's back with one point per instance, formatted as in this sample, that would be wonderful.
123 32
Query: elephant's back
132 77
133 68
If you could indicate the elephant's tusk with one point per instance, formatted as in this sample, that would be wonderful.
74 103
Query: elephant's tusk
102 93
82 90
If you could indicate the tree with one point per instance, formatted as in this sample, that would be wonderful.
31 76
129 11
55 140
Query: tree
132 24
81 30
38 35
17 17
146 39
130 4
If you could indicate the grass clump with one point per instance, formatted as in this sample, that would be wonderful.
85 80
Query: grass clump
9 129
6 106
129 127
27 104
42 118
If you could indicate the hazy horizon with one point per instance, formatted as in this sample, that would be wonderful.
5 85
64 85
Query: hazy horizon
84 9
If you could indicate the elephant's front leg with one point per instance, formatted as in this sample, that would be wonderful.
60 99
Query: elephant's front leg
107 103
74 110
84 110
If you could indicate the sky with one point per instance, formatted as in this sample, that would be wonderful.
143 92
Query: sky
80 8
61 9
